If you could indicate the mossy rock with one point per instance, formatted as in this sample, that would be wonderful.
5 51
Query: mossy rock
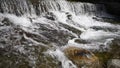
82 57
113 53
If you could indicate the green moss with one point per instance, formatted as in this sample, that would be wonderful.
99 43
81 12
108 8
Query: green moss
113 53
104 57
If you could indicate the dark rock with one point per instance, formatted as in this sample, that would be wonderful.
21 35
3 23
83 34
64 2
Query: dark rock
107 29
80 41
58 37
69 16
115 48
6 22
50 15
74 30
16 59
113 8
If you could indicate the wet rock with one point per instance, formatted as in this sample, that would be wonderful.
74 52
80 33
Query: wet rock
6 22
97 18
60 37
69 16
80 41
114 63
82 57
107 29
74 30
113 52
103 58
28 57
115 48
50 15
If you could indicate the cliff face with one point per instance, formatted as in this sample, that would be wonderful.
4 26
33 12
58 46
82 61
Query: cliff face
113 8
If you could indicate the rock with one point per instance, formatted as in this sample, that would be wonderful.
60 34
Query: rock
74 30
114 63
69 16
6 22
51 16
115 48
112 52
82 57
80 41
107 29
113 8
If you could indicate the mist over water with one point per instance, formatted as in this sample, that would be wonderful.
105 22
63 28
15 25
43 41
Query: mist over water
24 27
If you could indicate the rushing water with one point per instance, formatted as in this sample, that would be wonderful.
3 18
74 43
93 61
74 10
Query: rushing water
26 27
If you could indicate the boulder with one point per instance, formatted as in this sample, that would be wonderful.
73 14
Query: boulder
82 57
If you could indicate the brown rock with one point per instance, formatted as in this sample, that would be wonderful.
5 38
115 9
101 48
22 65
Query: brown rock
82 57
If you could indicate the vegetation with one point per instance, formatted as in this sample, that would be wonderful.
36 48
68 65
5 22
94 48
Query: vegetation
114 53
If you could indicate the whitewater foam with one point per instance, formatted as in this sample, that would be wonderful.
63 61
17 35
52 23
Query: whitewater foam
66 63
78 16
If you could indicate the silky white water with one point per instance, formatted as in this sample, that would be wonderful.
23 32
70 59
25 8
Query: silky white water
53 15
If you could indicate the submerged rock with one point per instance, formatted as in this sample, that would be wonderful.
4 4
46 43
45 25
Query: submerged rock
82 57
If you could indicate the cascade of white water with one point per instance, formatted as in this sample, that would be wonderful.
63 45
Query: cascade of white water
56 21
17 7
26 7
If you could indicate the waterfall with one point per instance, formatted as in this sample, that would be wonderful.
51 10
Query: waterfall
35 34
19 7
